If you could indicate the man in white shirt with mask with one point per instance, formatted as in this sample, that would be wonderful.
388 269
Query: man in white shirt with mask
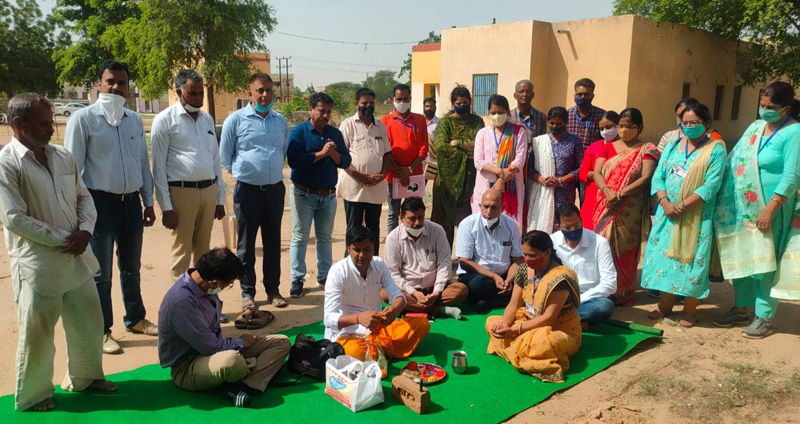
589 255
186 172
489 250
109 147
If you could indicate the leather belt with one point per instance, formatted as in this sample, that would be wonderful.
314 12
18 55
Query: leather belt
264 187
326 192
192 184
114 196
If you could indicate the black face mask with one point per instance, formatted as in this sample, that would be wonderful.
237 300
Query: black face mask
461 109
366 111
557 130
429 113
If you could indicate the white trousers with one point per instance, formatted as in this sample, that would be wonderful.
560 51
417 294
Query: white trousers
37 315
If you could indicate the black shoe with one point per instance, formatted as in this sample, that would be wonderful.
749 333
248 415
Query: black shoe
297 289
238 396
321 282
482 306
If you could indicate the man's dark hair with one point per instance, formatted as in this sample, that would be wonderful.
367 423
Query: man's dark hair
23 104
413 204
220 264
584 82
318 98
429 99
364 92
187 75
567 209
264 78
112 65
356 234
403 87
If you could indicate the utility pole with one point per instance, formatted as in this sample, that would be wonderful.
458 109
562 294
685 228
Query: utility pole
287 66
280 75
280 78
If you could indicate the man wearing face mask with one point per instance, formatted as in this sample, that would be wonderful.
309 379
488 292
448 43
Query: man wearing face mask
408 136
488 250
589 255
584 118
363 187
418 255
190 340
253 148
429 110
186 172
108 144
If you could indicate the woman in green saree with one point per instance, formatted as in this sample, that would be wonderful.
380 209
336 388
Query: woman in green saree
454 145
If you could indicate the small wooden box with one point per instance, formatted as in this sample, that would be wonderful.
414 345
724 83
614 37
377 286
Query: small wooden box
410 394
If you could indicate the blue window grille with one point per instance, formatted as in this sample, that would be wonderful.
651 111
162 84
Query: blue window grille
483 86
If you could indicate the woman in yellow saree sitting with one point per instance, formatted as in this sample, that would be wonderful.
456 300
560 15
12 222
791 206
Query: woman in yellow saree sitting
540 328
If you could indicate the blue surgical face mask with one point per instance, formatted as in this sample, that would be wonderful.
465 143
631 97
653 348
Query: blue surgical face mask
573 235
557 130
264 109
694 132
461 109
769 115
583 101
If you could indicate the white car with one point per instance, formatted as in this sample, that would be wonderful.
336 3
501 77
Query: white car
69 108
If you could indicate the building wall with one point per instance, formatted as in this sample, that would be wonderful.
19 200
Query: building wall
503 49
679 55
426 60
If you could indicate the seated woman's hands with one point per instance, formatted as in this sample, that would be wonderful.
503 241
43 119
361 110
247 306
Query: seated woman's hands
500 329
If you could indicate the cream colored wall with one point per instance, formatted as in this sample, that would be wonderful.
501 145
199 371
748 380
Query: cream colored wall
678 55
598 49
426 66
503 49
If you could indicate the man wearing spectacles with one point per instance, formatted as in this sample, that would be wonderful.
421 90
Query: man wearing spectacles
589 255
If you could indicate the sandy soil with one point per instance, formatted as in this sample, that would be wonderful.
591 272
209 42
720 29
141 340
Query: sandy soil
704 374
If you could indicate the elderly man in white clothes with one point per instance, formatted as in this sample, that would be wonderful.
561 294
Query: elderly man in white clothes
353 315
187 173
589 255
49 216
418 255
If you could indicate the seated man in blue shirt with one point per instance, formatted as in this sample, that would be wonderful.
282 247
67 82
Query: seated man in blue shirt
489 250
190 339
315 153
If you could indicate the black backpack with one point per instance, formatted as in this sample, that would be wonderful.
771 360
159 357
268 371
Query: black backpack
308 356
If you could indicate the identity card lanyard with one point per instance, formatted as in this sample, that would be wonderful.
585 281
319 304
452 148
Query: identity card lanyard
536 283
414 127
586 125
686 149
529 127
773 134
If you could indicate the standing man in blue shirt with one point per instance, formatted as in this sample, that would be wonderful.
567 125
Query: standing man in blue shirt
315 151
253 148
108 144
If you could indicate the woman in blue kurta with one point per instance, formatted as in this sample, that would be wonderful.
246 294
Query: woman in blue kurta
686 183
755 205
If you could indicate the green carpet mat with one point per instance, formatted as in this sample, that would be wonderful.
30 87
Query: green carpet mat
489 392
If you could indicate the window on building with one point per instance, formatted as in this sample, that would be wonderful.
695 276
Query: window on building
483 86
687 88
718 102
737 100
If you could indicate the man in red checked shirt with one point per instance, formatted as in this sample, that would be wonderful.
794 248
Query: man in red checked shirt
408 136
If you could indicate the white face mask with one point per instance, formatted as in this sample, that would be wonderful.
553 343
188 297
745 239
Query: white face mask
191 109
490 222
498 120
113 106
609 135
415 232
402 107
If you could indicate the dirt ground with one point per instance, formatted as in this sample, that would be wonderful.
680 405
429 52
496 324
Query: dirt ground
704 374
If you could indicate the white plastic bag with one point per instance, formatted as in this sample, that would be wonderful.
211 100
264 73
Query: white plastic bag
353 383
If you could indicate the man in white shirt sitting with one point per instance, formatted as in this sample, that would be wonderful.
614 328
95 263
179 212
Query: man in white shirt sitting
418 256
589 255
353 315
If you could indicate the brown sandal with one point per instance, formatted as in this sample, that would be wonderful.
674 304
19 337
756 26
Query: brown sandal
260 319
685 322
657 314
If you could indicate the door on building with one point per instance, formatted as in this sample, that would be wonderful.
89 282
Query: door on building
483 86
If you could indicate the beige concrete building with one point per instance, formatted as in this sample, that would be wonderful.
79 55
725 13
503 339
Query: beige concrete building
634 61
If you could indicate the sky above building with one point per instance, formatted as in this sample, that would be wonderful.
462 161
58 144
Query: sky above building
360 24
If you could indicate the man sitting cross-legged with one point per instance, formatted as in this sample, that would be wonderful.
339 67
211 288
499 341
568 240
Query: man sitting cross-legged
190 339
418 255
352 302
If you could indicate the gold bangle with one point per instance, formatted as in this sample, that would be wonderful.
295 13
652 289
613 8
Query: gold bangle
519 329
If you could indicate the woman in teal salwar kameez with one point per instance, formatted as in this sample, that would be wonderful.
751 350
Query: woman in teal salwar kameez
686 183
755 206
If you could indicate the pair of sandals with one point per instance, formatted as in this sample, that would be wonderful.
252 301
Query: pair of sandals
687 321
253 318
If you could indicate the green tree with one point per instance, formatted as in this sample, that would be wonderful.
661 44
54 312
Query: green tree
297 103
26 48
215 37
382 83
345 87
342 102
771 26
82 23
310 89
406 69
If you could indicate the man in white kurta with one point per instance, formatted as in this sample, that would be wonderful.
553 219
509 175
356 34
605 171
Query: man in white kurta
49 216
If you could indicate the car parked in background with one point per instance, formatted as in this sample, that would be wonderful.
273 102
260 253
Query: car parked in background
68 109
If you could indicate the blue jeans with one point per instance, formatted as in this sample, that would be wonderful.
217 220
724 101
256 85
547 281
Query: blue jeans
393 217
120 222
322 210
596 310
